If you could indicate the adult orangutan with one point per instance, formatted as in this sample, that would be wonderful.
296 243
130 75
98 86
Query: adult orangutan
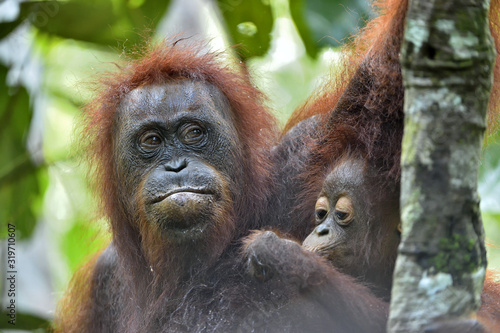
179 144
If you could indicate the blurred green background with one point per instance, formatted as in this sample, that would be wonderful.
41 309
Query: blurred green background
50 52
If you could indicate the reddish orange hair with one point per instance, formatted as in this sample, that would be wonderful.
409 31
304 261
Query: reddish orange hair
256 130
161 63
362 105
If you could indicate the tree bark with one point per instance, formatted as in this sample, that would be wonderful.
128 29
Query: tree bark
447 58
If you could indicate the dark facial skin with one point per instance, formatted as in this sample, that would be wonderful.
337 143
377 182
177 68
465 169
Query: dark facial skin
177 150
357 225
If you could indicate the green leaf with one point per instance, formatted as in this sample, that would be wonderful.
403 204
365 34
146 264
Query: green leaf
7 27
101 22
249 13
331 22
82 241
24 321
298 10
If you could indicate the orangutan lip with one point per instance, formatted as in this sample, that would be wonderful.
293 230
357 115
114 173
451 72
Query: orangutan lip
321 249
203 191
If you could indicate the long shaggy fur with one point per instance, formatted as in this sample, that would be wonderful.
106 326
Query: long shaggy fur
361 116
361 107
140 275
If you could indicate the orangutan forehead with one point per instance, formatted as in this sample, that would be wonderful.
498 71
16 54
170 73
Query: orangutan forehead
348 173
177 95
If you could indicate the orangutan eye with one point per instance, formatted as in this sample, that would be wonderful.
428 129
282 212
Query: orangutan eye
322 208
344 211
150 141
341 216
321 213
191 134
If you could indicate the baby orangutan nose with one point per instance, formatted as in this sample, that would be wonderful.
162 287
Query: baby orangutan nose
322 230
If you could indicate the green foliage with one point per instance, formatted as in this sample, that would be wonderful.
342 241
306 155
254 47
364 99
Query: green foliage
248 12
95 21
83 240
25 322
320 23
332 22
489 188
21 183
492 230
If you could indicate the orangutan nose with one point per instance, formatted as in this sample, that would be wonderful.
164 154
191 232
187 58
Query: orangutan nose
322 230
176 165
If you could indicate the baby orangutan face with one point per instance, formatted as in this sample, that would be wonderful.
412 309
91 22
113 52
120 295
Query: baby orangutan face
356 222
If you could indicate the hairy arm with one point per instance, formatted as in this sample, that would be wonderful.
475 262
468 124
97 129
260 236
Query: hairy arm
348 305
89 305
291 158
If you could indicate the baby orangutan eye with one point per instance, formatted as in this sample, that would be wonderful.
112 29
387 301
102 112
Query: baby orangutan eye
322 208
344 211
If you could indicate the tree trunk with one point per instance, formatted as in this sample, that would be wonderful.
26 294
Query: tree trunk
447 59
